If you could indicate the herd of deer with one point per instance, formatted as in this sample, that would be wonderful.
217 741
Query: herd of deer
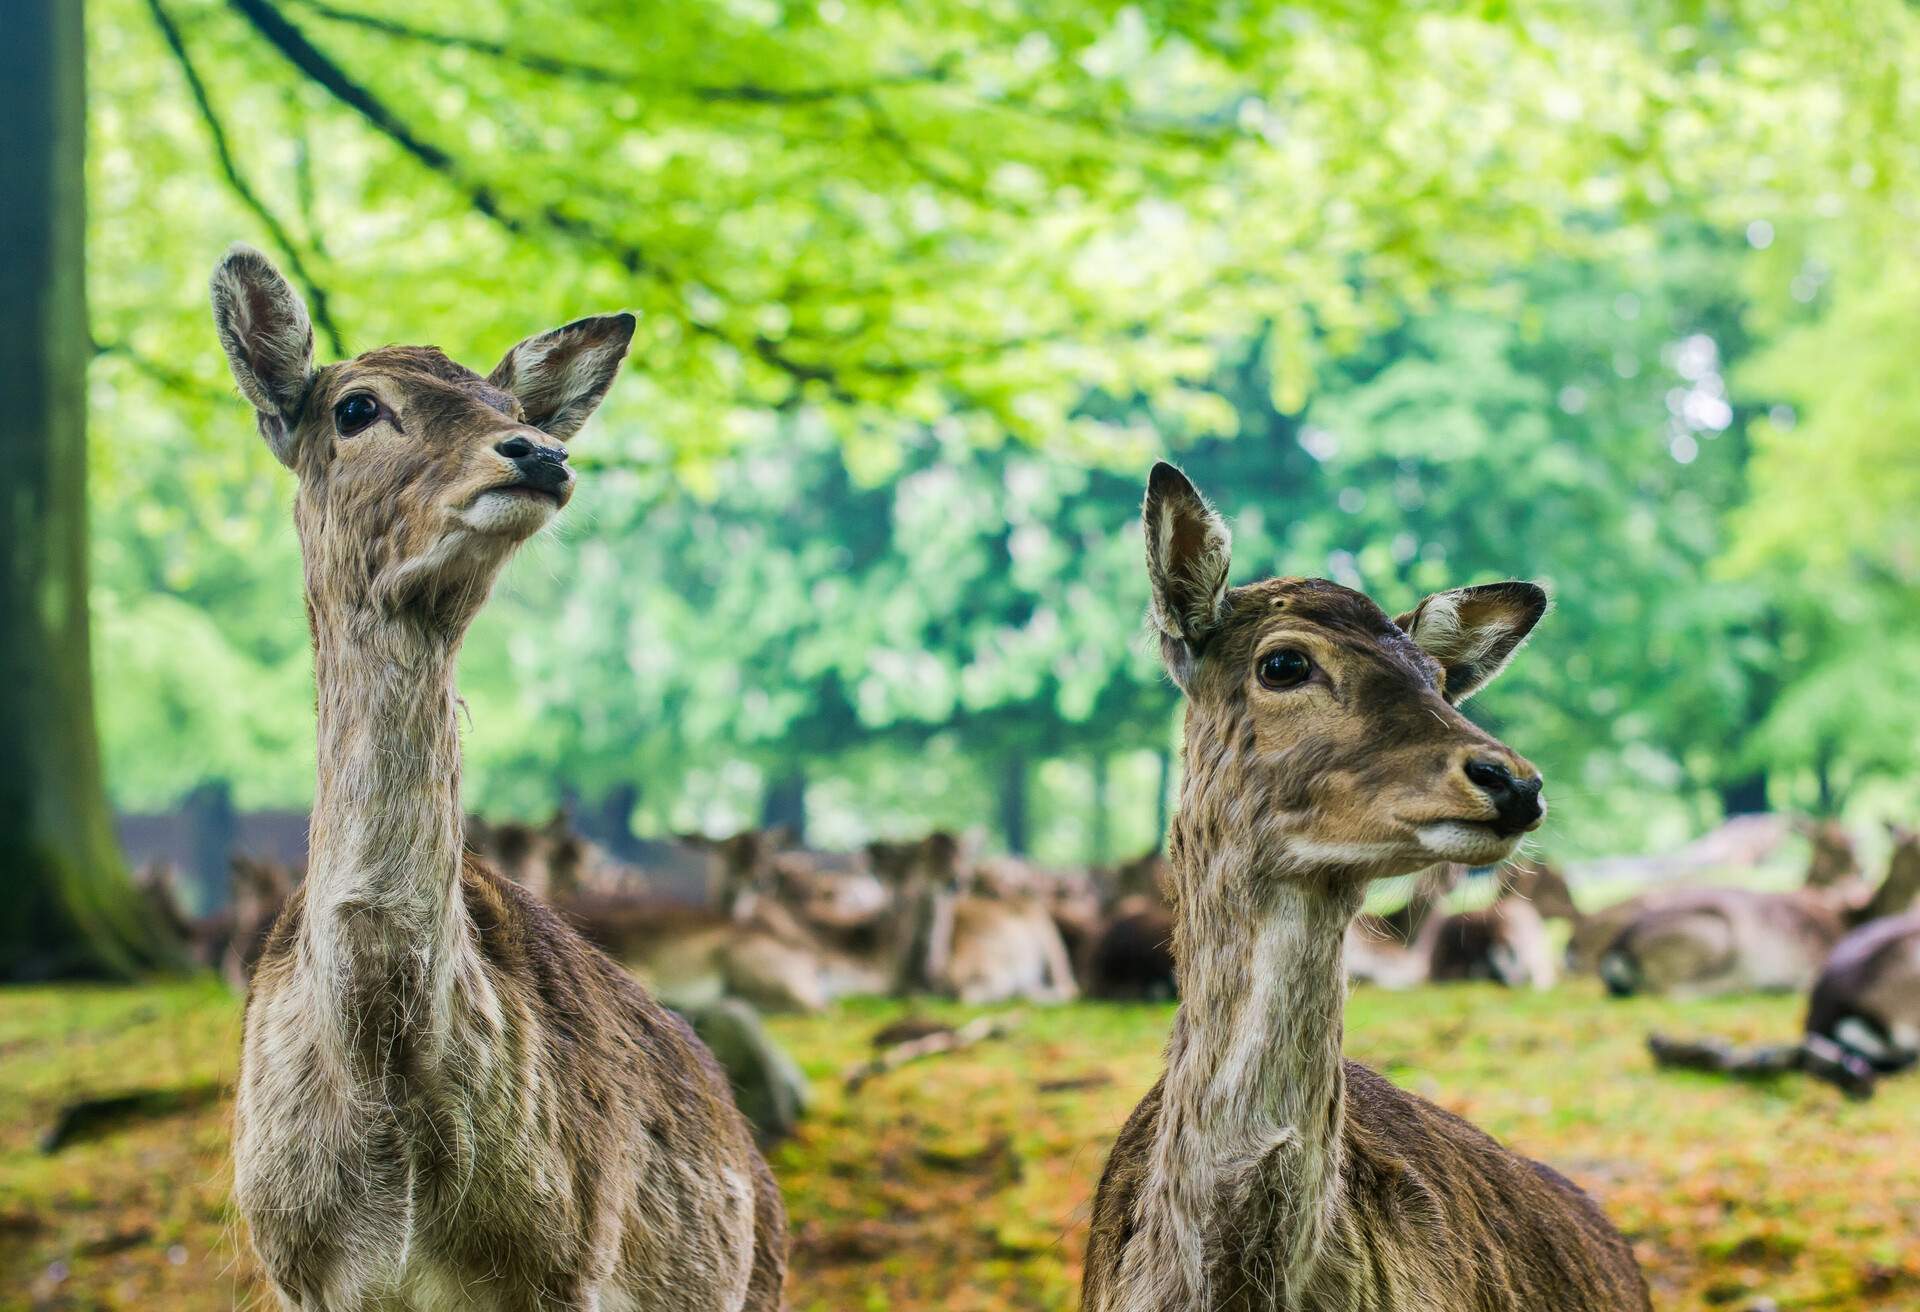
451 1094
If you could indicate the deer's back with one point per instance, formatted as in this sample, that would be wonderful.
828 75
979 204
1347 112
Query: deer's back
1436 1217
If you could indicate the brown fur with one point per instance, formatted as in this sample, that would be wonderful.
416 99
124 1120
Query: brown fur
977 939
1505 943
1723 940
1867 998
1263 1172
446 1098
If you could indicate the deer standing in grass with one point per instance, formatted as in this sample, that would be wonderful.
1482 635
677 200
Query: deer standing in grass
1323 750
447 1099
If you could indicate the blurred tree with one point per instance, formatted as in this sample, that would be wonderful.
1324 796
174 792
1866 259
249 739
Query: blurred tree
914 284
69 908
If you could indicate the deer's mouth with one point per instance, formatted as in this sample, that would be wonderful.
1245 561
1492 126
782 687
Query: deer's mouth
515 510
1470 842
553 496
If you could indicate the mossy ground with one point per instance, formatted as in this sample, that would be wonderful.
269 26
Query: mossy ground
963 1182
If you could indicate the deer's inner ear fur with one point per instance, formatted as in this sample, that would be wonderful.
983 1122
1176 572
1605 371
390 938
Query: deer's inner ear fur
1189 551
560 377
1474 632
268 338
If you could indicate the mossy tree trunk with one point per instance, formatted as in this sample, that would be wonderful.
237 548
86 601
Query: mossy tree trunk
67 907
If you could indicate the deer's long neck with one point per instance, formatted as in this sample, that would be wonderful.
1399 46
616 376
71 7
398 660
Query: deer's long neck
1243 1176
385 847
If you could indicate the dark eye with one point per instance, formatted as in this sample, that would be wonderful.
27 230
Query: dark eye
1285 668
353 413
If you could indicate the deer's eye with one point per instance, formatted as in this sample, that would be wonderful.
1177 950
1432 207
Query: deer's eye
355 412
1284 667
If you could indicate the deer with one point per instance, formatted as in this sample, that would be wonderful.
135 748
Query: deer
1323 749
1863 1011
1396 951
446 1098
1704 942
967 934
1502 943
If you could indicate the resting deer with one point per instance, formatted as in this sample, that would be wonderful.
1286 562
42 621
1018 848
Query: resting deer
1396 951
972 938
1863 1014
1724 940
1503 943
446 1098
1323 750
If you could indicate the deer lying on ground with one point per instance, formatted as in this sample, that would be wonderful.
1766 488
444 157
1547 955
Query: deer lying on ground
1722 940
1503 943
1396 951
970 937
1130 956
1323 751
776 936
1863 1014
1726 940
446 1098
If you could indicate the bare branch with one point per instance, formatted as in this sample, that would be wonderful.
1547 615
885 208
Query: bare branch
316 294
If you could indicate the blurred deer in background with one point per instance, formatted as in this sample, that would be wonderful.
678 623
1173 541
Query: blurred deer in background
1863 1014
446 1098
1726 940
1396 951
1323 751
978 939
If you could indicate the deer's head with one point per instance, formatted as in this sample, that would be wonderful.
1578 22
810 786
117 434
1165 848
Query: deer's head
418 477
1322 735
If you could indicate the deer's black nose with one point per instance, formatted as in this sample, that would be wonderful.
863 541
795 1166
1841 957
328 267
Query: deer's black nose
544 467
1515 801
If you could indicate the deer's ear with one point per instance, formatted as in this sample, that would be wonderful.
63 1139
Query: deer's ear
1188 554
561 377
1474 632
268 338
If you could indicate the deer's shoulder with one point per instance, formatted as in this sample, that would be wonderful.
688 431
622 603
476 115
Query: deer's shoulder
1503 1219
1113 1201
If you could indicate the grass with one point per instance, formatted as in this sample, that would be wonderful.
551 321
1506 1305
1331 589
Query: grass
964 1182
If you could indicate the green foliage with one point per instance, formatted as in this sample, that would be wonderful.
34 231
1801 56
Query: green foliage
1421 296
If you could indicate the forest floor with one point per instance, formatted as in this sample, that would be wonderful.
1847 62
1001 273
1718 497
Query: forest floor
963 1182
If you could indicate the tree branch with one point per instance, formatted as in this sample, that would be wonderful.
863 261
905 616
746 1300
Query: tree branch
316 294
751 93
167 376
1205 132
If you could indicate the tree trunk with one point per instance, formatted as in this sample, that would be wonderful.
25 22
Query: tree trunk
67 907
1102 827
1013 804
1745 795
785 806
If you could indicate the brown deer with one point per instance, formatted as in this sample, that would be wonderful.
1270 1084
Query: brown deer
1863 1015
1712 941
1130 956
446 1098
969 935
1503 943
1702 942
1323 751
1395 951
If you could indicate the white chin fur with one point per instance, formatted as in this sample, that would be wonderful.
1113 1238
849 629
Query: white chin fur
509 514
1466 844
